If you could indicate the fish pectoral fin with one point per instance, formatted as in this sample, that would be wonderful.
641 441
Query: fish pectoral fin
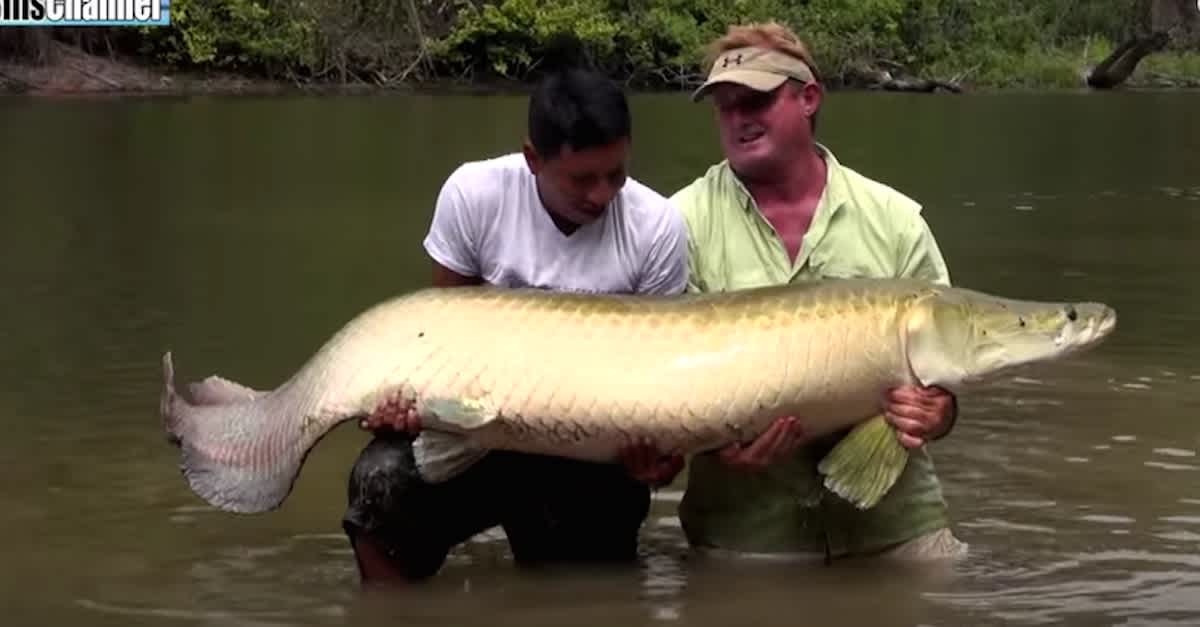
462 413
441 456
865 464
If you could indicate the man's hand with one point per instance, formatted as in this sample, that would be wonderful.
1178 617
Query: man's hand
920 414
781 439
396 414
647 464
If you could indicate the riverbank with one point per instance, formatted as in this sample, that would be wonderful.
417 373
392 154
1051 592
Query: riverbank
274 46
68 70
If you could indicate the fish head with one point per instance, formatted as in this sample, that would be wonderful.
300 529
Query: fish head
963 336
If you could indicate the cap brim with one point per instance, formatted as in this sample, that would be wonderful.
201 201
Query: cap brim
754 79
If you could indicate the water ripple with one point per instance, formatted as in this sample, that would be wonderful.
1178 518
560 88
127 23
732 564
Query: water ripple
215 617
1106 519
1003 525
1119 584
1168 466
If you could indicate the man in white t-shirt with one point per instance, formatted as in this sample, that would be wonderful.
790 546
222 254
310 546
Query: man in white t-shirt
564 215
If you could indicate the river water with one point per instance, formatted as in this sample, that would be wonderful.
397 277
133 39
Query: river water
241 232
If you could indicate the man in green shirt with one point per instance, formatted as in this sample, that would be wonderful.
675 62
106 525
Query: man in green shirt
781 208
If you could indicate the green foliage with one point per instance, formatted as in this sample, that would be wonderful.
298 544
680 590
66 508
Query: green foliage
993 42
986 42
235 34
509 37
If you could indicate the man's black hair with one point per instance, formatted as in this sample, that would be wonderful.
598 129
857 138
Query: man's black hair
577 107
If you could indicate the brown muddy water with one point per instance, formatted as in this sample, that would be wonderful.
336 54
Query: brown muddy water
242 232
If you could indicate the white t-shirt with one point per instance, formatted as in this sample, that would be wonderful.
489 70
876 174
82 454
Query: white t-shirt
489 222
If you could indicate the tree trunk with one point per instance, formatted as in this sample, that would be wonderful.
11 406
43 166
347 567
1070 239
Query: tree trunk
1119 66
1167 20
1179 18
28 45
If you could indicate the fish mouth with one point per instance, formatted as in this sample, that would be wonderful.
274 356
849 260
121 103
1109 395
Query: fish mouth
1100 324
1108 322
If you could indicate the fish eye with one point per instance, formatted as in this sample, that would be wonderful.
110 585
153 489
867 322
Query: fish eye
1021 321
1072 315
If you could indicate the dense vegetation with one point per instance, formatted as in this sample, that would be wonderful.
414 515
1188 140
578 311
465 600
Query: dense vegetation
647 42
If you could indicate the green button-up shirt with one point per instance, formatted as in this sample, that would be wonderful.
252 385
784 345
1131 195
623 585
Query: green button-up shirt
861 228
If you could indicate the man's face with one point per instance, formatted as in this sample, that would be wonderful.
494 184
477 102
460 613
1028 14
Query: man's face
762 132
578 185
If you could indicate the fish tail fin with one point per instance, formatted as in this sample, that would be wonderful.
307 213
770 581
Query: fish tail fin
227 453
865 464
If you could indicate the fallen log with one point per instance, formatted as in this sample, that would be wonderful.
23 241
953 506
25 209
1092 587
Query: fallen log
882 78
923 85
1117 67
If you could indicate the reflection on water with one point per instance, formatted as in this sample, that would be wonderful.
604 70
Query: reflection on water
214 228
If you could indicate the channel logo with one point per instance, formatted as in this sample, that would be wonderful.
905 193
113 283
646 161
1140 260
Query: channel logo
85 13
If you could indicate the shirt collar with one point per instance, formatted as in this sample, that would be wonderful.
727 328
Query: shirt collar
832 197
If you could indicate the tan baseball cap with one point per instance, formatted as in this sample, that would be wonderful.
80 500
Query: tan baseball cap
761 69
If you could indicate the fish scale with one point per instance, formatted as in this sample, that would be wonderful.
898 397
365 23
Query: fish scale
579 375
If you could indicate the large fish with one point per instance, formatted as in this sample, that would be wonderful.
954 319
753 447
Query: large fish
579 375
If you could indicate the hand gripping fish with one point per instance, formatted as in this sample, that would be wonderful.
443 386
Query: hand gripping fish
579 375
